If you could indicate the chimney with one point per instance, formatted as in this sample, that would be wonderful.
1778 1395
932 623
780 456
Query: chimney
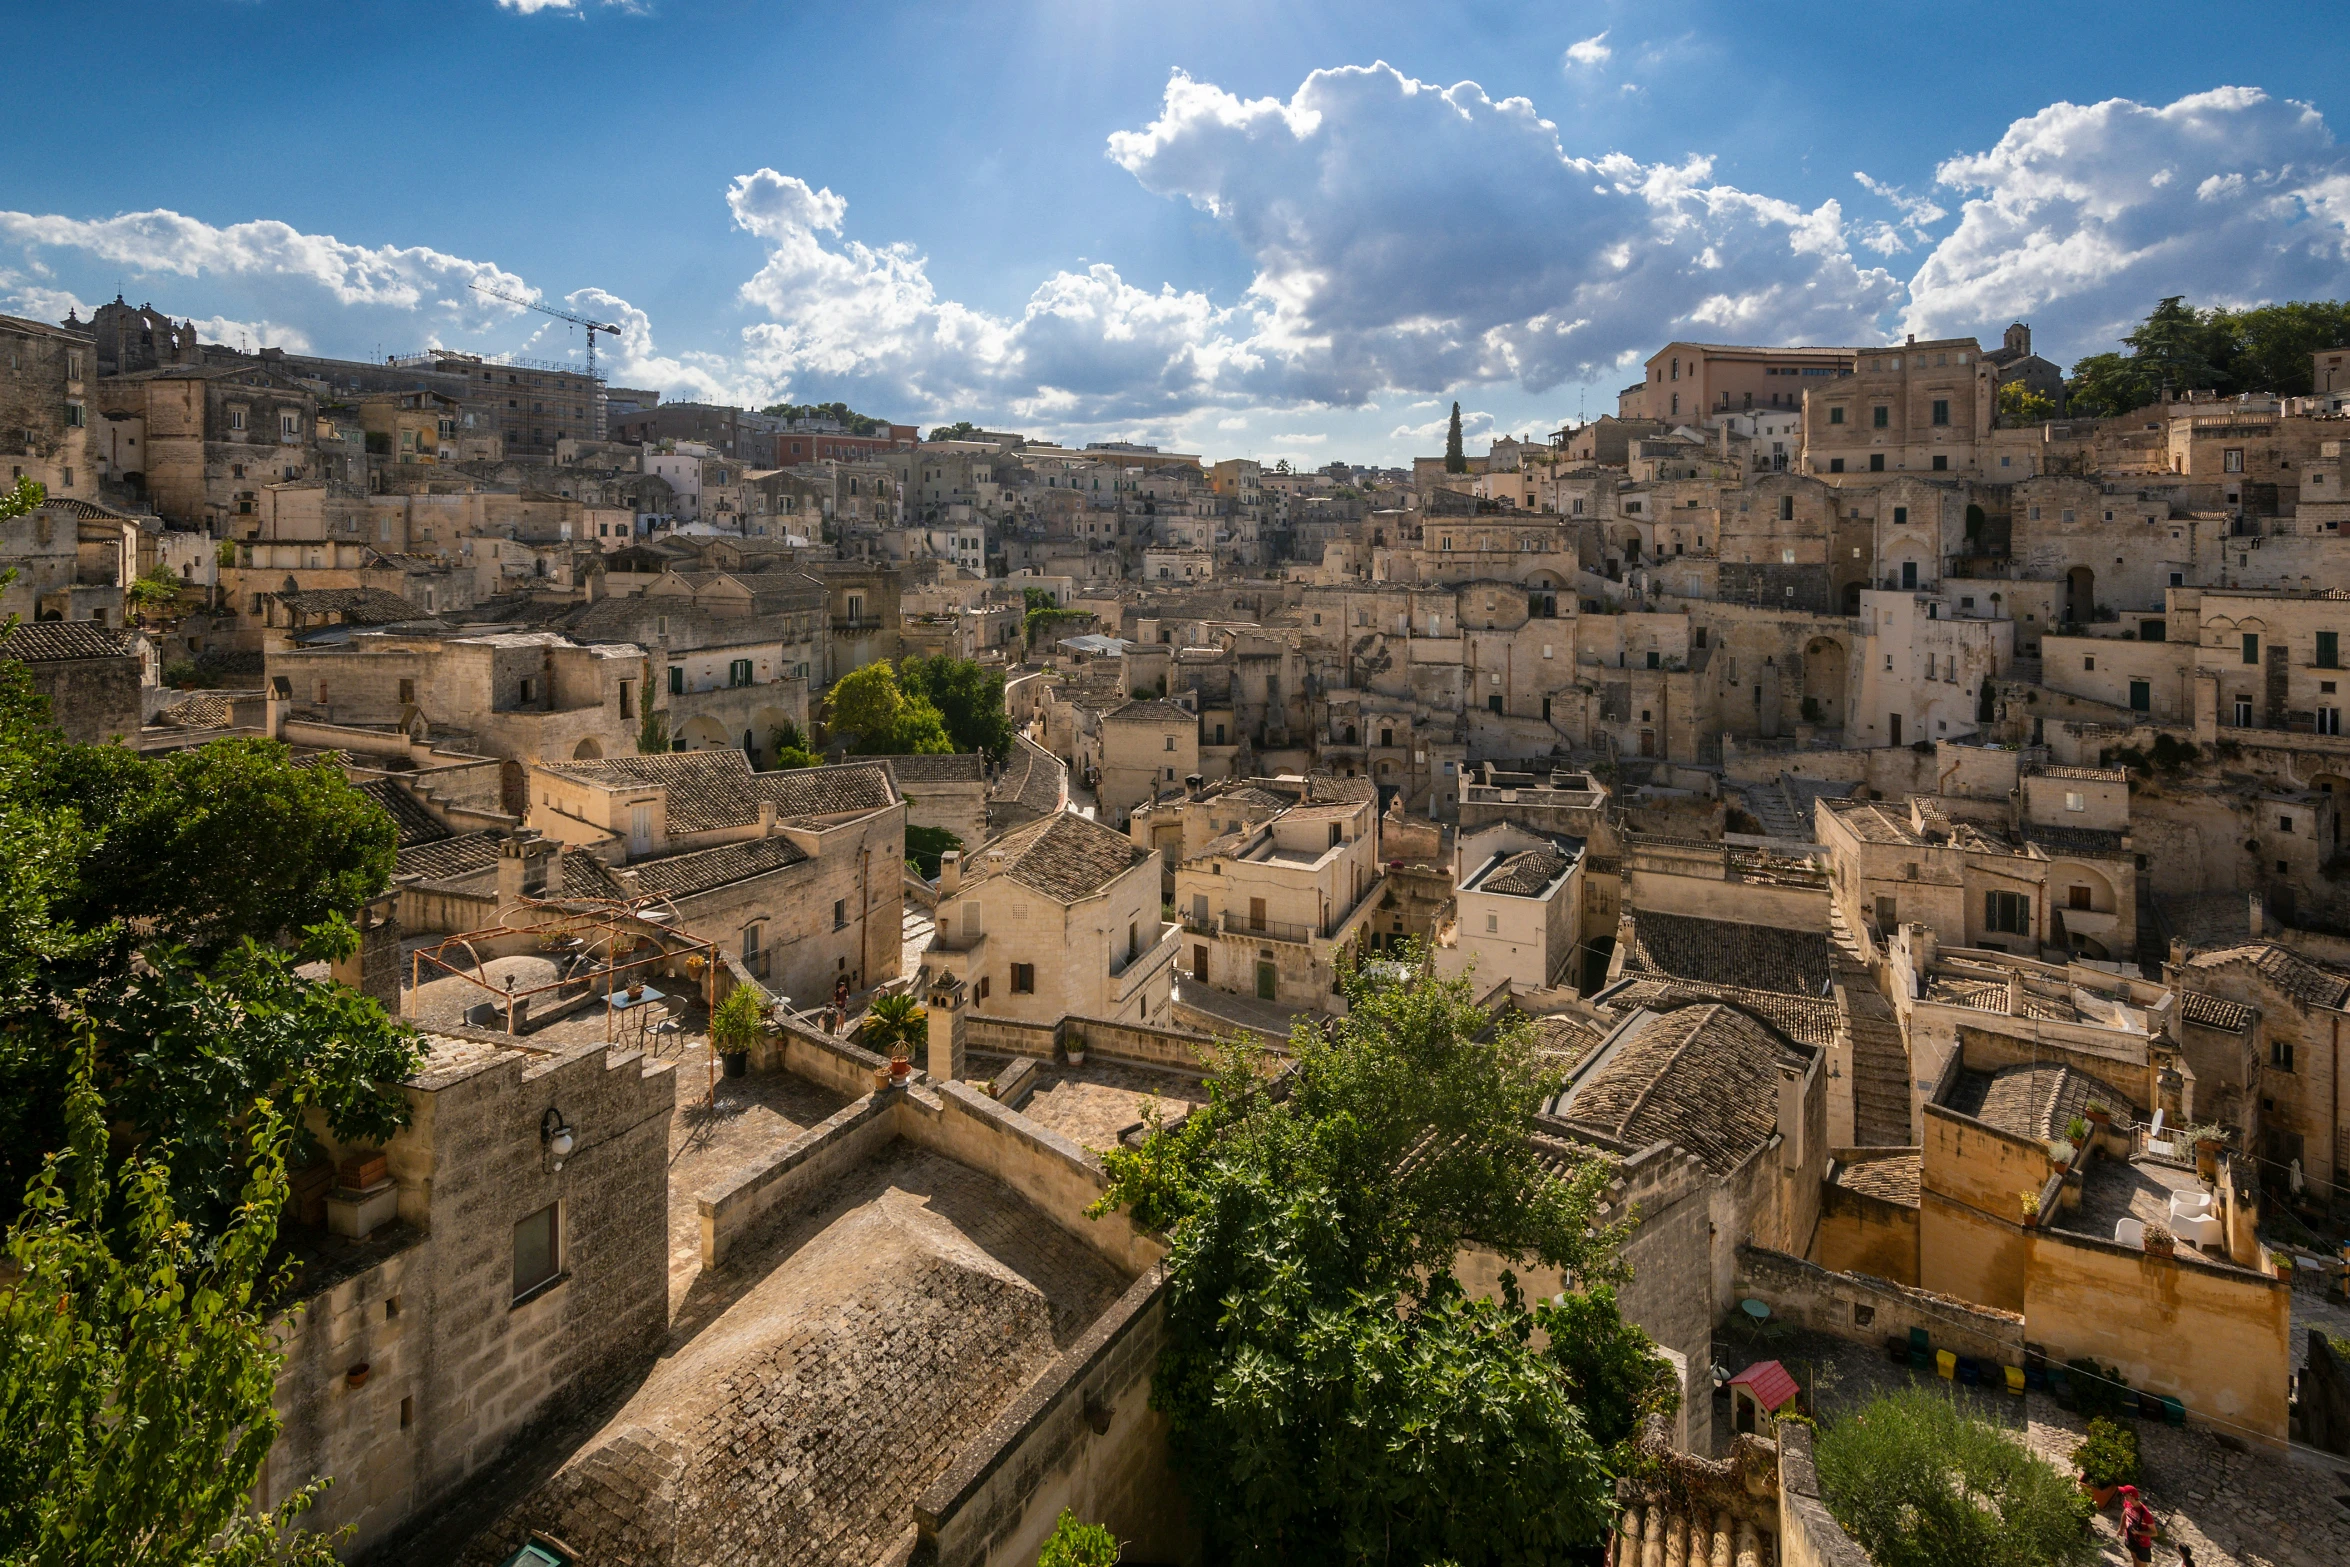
2015 992
950 872
522 867
766 818
2258 915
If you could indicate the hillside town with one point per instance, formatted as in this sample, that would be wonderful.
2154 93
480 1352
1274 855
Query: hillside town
830 859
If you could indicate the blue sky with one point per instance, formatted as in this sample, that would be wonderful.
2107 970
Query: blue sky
1264 229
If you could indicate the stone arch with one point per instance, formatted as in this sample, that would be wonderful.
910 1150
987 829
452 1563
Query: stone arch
703 733
587 750
2080 594
1826 668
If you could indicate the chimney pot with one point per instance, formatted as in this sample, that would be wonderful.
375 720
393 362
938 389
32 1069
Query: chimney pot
950 872
766 818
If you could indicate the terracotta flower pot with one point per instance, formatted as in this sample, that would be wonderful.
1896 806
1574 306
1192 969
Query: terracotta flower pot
2102 1495
357 1375
900 1069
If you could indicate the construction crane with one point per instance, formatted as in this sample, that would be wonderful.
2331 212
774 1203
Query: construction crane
591 327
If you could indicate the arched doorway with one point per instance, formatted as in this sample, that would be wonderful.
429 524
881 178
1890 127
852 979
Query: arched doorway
703 734
1825 667
2080 594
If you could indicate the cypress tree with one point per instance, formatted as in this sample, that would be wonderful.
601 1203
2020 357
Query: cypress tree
1454 462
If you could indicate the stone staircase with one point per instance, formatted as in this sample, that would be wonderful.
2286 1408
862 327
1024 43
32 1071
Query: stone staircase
1776 810
2026 670
1880 1056
1880 1071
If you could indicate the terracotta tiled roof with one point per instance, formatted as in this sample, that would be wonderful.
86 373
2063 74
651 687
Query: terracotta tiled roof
1705 1077
1329 786
2035 1099
962 768
449 859
1718 952
699 870
1990 995
707 790
2086 774
1890 1175
1064 856
357 606
416 824
1564 1041
1809 1020
2214 1011
1151 712
1033 780
1527 874
2283 968
199 710
57 641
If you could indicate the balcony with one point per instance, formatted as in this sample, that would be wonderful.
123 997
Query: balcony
1128 974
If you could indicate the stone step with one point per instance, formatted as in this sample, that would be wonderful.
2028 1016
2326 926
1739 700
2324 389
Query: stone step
1880 1071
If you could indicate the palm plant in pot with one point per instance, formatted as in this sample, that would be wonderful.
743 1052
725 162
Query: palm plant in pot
893 1024
735 1026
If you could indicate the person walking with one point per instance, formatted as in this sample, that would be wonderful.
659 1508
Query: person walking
2138 1526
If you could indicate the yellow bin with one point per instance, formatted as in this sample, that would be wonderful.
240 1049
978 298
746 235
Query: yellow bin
1945 1363
2015 1378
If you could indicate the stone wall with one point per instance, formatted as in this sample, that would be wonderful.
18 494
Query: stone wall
804 1167
1809 1536
2324 1404
94 700
1083 1437
1170 1049
469 1166
1816 1299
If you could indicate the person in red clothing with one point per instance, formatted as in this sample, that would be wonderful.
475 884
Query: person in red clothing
2138 1525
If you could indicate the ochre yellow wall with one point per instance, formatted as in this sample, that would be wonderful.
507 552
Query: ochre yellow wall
2218 1340
1866 1235
1965 1252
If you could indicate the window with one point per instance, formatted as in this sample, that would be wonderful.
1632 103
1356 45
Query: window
407 693
529 689
840 913
1940 464
2251 648
2088 661
74 416
236 418
738 673
1835 416
2007 911
677 680
1941 410
1023 979
751 935
2243 712
2074 800
1492 924
2232 460
1835 465
2284 824
1876 462
1880 418
1786 508
2280 1053
1256 914
2329 650
2329 720
537 1253
2077 898
2141 696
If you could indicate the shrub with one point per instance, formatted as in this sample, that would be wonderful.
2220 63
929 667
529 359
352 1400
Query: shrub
1919 1484
736 1023
2098 1390
2108 1454
1074 1544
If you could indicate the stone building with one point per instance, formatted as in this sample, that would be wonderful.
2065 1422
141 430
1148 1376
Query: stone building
500 1260
47 406
212 437
1271 907
2269 1022
1918 407
799 872
91 674
1147 748
1519 907
1057 918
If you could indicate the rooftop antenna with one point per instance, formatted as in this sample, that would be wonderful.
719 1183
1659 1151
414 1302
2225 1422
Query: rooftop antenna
591 327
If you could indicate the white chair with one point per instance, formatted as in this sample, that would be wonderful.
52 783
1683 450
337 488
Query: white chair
2185 1205
2129 1232
2201 1229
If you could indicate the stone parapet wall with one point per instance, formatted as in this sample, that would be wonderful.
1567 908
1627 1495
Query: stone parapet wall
1813 1298
1082 1437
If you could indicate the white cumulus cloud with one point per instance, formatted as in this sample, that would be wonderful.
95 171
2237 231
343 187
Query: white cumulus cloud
1591 51
2085 214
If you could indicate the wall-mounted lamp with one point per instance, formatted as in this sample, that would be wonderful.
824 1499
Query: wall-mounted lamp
557 1135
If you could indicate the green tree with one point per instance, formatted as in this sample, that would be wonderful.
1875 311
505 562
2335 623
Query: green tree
225 841
961 429
154 588
652 731
136 1371
2019 405
789 748
870 705
2177 347
969 699
23 496
2103 385
1917 1483
1454 460
840 413
2269 346
120 927
1076 1544
924 845
1332 1393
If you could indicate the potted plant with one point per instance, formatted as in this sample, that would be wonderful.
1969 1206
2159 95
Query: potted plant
894 1024
2107 1458
636 990
2076 1132
2031 1205
735 1027
2160 1242
1076 1049
2099 1116
901 1066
